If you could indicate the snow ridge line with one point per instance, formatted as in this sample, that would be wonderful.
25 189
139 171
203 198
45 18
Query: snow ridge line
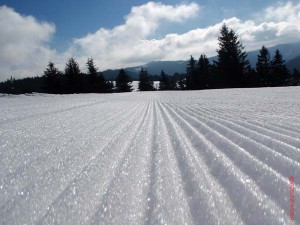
241 121
231 178
49 113
152 158
255 168
12 155
92 168
133 169
45 169
14 205
57 138
263 131
235 136
167 190
198 182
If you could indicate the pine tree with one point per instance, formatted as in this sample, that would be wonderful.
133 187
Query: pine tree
109 86
295 80
173 82
191 74
52 79
145 84
279 72
92 76
96 81
92 73
263 67
203 72
164 83
214 78
123 82
73 77
232 64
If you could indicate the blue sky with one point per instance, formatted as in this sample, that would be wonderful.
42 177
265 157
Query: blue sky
76 18
121 33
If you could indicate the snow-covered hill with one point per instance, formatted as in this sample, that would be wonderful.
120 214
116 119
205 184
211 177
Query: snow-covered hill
194 157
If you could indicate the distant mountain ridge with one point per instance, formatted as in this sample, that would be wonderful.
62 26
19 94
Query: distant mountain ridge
289 51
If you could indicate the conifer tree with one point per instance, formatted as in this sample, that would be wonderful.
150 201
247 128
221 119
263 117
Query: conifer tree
145 84
279 72
263 67
109 86
203 72
173 80
123 82
295 79
73 77
232 64
52 79
92 76
191 74
164 83
182 84
96 81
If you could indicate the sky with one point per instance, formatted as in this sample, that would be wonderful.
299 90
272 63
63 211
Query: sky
130 33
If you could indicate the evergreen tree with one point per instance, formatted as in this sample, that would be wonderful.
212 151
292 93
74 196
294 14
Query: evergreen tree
203 72
253 79
263 67
175 79
52 79
123 82
295 80
110 86
279 72
178 81
145 84
191 74
73 77
165 81
103 84
214 78
92 76
182 84
96 81
232 64
8 86
22 86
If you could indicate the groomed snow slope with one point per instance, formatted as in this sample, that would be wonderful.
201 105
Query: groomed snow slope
199 157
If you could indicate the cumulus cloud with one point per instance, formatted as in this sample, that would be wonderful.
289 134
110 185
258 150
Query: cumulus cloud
129 44
283 11
24 40
23 44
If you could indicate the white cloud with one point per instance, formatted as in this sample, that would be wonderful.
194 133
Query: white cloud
24 40
23 44
129 44
283 11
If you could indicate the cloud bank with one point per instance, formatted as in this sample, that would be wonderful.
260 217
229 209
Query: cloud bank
128 44
25 51
23 44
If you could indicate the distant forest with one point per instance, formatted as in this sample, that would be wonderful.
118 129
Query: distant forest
231 69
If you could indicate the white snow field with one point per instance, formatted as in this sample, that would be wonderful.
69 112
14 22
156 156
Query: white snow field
194 157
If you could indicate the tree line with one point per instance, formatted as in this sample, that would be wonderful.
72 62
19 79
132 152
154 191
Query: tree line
73 80
230 70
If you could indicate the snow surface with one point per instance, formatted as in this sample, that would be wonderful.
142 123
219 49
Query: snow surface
197 157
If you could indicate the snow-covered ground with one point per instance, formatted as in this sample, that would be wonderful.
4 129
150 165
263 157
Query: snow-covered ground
197 157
